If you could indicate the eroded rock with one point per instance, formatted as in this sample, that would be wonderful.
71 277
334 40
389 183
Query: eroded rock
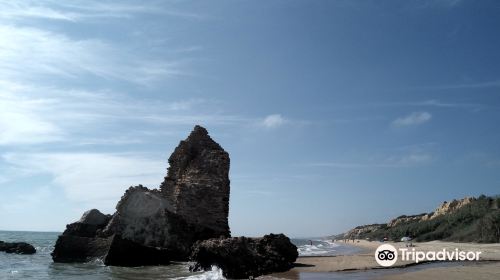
94 217
197 182
72 248
192 205
152 227
242 257
143 216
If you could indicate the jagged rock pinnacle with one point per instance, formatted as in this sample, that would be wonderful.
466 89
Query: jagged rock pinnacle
197 181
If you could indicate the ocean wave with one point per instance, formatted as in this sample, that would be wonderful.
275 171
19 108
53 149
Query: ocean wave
44 249
317 248
214 274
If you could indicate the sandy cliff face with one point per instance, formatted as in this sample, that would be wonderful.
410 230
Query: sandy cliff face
359 230
449 207
406 219
444 209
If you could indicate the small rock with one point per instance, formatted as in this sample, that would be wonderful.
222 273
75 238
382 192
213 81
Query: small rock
17 248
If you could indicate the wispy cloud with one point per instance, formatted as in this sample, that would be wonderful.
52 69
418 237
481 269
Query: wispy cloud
273 121
74 11
92 178
22 121
453 105
33 55
396 161
432 4
429 103
37 115
472 85
414 118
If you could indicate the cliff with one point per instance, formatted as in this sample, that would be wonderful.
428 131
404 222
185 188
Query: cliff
467 219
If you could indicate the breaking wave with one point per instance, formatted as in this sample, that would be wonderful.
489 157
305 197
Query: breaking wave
214 274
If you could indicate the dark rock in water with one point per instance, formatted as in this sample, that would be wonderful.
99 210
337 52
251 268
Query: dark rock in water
197 182
113 250
71 248
80 241
241 257
123 252
17 248
192 205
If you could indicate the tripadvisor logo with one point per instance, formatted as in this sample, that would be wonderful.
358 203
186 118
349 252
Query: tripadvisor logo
387 255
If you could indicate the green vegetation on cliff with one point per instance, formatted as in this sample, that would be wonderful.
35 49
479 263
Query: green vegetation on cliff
476 221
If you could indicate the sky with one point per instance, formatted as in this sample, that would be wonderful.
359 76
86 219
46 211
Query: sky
334 113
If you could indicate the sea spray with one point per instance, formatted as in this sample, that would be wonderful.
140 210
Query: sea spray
214 274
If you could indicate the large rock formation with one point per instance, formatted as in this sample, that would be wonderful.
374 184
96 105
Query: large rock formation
197 183
192 205
17 248
152 227
241 257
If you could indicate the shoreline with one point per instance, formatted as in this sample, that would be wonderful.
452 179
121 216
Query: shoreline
364 262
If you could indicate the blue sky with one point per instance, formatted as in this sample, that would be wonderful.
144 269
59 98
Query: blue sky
335 113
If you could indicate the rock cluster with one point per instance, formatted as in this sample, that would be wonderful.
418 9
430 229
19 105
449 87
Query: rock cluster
17 248
152 227
192 204
241 257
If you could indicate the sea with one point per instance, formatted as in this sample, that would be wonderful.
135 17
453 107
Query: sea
40 266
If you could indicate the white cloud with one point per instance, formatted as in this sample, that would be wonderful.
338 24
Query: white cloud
414 118
273 121
93 178
31 54
36 115
22 120
18 9
84 10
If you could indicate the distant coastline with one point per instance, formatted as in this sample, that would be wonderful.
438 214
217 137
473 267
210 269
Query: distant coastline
461 220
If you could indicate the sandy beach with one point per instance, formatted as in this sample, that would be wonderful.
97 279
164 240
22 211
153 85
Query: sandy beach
488 265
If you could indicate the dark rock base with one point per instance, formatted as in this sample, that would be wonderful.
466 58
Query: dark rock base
113 251
124 252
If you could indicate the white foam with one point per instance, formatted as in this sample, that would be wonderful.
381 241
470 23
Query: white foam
322 247
214 274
